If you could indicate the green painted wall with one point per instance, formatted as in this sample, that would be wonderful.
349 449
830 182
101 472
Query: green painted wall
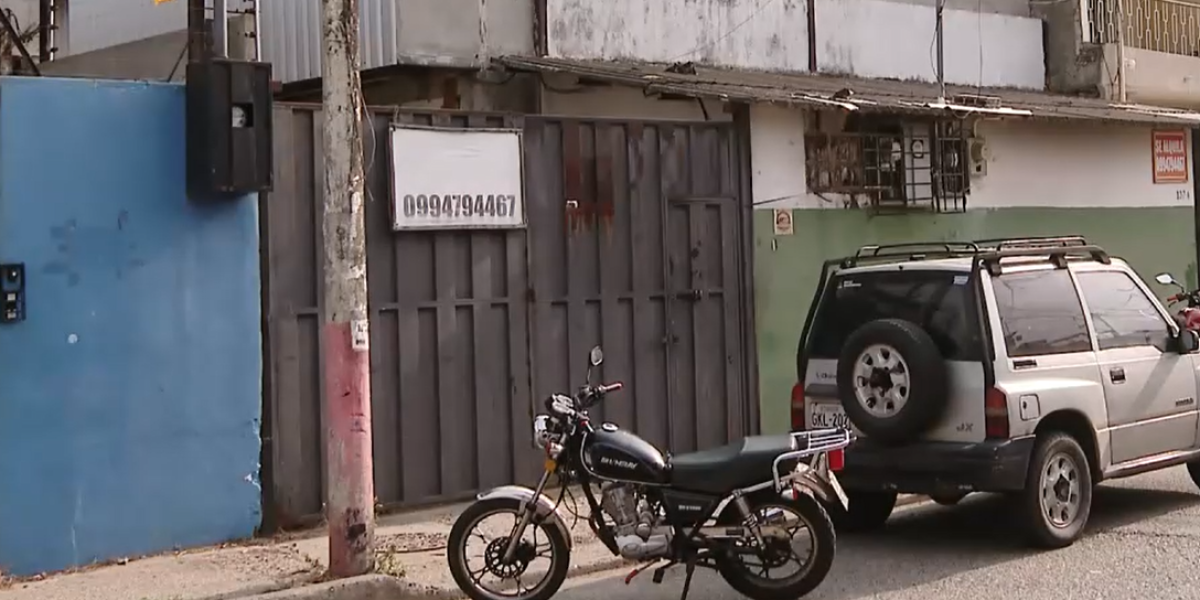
786 271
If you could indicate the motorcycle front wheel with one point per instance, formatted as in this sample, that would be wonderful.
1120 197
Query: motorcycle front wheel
479 540
782 569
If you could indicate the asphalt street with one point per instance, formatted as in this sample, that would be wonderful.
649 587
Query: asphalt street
1143 542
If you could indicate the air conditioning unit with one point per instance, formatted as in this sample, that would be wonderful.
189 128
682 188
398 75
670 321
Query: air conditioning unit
977 149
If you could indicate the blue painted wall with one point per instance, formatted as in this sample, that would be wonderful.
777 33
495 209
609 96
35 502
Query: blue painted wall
130 398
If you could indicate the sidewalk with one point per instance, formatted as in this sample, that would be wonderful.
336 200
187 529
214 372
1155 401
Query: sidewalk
411 547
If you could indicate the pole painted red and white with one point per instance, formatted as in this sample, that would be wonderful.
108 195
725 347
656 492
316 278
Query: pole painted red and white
350 499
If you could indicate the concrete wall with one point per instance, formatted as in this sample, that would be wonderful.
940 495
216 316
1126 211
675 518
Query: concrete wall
625 103
1074 65
868 38
130 398
152 59
1042 179
879 38
1030 164
1156 78
89 25
1019 8
461 33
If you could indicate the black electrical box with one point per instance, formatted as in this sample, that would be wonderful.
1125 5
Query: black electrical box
229 146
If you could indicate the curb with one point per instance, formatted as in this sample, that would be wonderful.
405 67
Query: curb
365 587
381 587
384 587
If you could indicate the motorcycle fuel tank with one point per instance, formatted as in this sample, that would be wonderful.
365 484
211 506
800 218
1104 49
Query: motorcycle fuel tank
613 453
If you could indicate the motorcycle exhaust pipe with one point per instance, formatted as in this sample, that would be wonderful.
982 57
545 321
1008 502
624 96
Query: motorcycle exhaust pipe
724 533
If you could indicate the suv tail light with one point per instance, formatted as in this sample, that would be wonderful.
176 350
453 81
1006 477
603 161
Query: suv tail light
995 414
798 407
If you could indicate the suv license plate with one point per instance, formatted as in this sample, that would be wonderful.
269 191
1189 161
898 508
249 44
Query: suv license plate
829 415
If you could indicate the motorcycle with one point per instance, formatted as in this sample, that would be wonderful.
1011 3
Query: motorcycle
746 510
1188 317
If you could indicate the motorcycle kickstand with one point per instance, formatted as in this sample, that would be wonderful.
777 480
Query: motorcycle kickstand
687 580
661 571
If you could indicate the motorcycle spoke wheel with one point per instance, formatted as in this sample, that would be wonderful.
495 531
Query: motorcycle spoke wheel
530 567
779 559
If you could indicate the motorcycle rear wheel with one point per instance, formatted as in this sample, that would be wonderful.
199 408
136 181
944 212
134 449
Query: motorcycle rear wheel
812 516
465 527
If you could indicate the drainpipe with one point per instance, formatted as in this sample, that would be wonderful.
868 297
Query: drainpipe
941 57
1195 135
1121 90
812 36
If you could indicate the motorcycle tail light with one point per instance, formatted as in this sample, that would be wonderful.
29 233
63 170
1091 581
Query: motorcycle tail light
837 459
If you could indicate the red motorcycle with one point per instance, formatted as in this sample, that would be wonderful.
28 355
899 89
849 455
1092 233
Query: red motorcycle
1188 317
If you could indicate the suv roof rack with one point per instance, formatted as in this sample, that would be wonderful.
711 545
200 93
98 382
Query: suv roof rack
1056 248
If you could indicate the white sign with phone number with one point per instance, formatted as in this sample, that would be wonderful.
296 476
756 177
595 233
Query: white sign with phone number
447 178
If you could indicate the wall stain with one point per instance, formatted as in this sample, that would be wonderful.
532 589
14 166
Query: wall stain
79 247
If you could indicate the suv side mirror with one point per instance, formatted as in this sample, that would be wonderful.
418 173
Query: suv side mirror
1187 341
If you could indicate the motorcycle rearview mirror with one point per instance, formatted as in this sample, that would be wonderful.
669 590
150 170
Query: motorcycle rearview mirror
1165 279
595 357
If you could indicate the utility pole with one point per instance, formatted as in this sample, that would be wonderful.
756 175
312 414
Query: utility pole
350 500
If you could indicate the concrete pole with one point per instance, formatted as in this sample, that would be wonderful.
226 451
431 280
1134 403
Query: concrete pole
350 508
220 29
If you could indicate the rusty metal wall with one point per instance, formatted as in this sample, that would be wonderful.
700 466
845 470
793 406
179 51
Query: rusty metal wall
637 240
636 243
449 359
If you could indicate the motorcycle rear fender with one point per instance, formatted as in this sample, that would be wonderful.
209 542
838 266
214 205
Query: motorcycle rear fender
819 487
545 507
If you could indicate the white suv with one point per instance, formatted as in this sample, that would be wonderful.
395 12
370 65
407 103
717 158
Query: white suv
1033 367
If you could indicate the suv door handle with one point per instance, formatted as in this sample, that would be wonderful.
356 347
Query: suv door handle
1117 375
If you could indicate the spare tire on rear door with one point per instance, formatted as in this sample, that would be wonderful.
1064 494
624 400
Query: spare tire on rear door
892 380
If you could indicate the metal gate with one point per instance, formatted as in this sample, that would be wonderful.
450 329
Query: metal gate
637 240
636 243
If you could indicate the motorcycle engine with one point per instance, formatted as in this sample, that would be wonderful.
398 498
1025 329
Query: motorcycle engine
639 534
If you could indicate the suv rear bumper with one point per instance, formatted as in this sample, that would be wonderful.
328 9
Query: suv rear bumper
938 467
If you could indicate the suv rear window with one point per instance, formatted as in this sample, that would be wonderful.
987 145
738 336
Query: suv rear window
1040 313
941 302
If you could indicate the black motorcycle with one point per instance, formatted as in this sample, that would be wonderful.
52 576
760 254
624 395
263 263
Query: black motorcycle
752 510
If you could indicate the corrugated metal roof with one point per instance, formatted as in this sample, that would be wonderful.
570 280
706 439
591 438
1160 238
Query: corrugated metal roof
827 91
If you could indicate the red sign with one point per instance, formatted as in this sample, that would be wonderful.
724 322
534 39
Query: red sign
1170 156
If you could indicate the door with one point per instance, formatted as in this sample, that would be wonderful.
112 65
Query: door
1150 391
636 243
704 307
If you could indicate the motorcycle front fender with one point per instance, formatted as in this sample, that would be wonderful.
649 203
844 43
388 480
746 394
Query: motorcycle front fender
545 507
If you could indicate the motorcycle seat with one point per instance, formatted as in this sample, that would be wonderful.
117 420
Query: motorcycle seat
722 470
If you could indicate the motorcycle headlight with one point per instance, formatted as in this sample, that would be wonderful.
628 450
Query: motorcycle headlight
541 432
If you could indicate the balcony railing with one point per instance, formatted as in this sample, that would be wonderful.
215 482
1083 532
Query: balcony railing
1171 26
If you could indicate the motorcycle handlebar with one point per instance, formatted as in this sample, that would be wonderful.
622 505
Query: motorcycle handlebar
1192 298
587 397
612 387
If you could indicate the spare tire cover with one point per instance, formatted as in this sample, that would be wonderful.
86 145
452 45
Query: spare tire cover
892 380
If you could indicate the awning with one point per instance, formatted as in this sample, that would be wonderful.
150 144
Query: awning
847 93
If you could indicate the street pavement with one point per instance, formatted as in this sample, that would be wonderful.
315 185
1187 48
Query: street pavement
1143 542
